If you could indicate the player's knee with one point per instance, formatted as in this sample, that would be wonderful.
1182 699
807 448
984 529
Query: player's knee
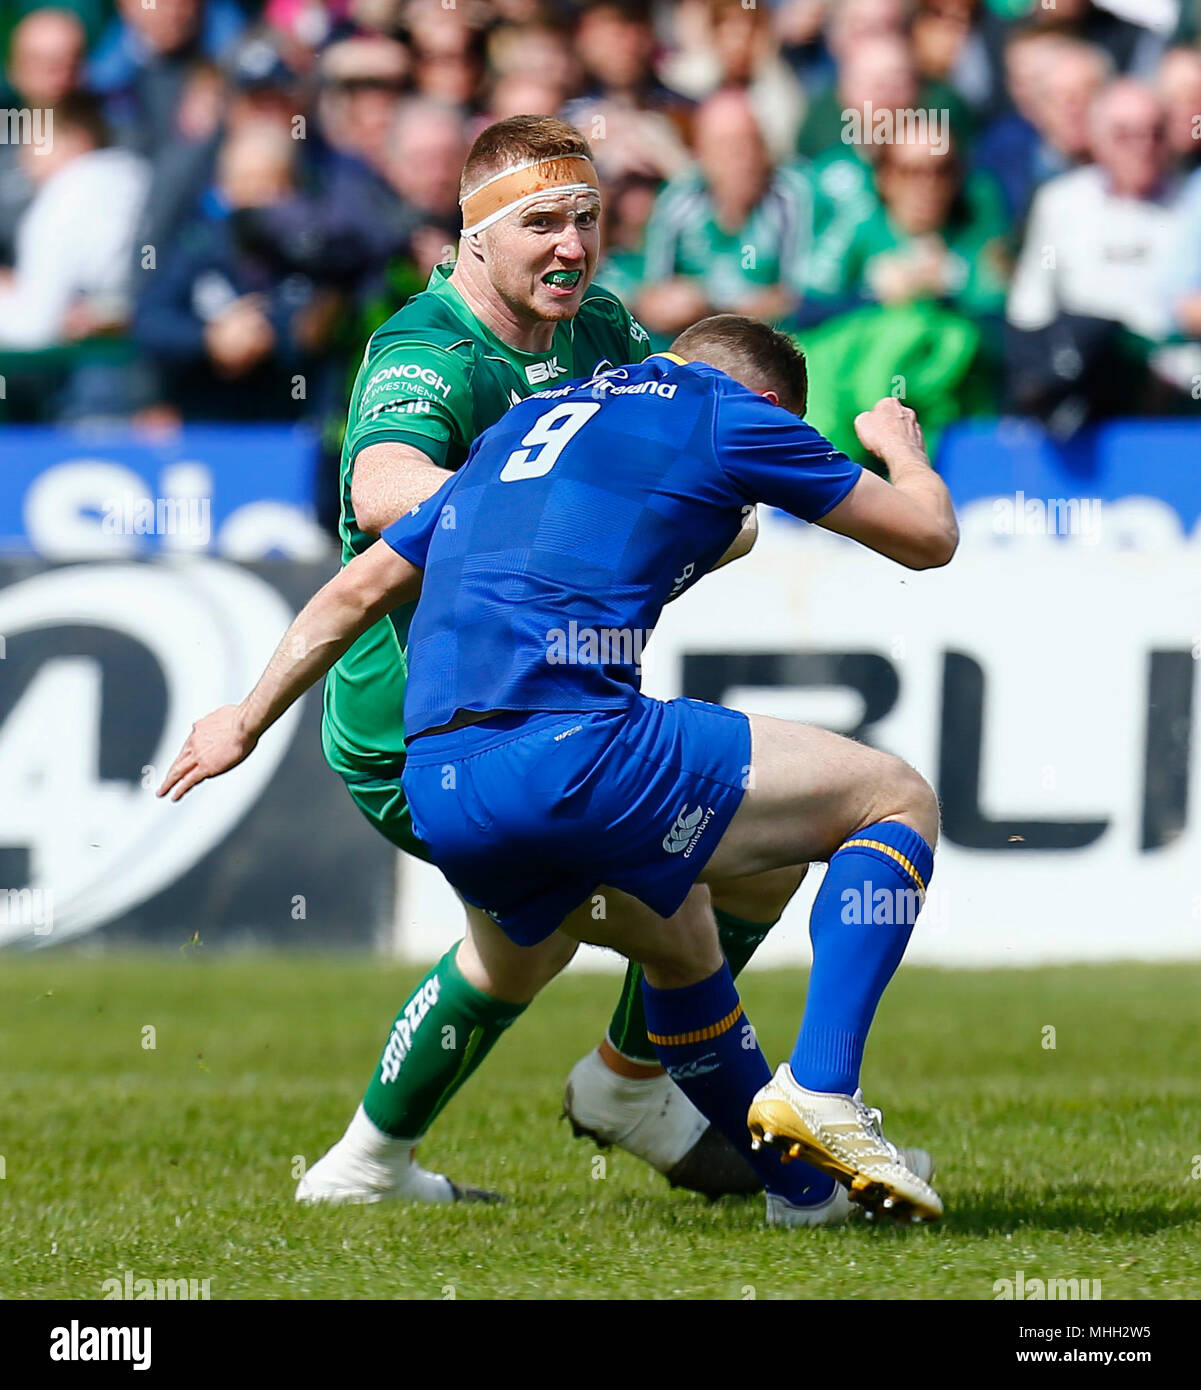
541 964
496 967
559 951
758 897
683 949
920 808
906 795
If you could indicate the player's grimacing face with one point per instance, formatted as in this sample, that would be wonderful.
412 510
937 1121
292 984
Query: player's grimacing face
542 258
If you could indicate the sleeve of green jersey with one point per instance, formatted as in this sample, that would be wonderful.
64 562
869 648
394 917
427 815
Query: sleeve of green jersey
412 393
637 345
640 343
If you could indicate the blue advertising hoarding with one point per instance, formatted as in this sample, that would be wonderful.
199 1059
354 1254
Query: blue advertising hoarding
243 491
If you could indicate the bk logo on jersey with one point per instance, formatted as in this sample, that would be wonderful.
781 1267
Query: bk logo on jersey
538 372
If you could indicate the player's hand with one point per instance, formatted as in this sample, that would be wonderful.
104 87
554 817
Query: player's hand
217 743
239 337
888 428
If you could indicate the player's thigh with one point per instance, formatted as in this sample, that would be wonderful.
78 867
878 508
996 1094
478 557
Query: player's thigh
499 967
383 801
808 790
674 951
486 957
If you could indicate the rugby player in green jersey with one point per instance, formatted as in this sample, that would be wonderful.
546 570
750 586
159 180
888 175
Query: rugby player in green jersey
516 313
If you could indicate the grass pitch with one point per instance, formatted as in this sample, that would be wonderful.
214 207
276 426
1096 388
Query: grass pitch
172 1153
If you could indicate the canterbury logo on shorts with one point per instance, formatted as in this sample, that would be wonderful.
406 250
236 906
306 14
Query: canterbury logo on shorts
687 830
678 836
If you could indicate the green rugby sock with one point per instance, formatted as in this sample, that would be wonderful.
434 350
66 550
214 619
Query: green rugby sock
627 1028
445 1030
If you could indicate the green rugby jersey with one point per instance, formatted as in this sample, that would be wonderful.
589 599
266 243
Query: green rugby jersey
771 247
434 377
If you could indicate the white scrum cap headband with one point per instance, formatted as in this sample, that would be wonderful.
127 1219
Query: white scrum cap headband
520 184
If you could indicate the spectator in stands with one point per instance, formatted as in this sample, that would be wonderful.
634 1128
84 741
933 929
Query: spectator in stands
739 49
1053 82
1182 277
145 58
629 203
239 316
426 151
362 79
733 234
1178 82
922 241
533 71
1097 235
1075 78
877 77
521 94
852 23
71 272
635 124
44 65
1064 77
865 39
799 27
959 43
1093 263
449 47
255 85
45 59
428 147
1130 47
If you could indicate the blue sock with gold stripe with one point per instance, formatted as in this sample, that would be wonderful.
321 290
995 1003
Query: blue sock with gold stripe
702 1037
861 922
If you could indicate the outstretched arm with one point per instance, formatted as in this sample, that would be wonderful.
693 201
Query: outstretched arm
364 592
911 519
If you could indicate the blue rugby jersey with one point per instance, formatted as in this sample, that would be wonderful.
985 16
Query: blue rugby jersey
549 555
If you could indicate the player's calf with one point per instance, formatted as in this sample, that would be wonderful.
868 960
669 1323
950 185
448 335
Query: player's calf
696 1021
619 1094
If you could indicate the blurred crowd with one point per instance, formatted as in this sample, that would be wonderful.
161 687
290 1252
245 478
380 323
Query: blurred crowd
994 203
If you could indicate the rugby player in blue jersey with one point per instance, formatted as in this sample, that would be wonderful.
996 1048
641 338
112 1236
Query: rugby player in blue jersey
546 784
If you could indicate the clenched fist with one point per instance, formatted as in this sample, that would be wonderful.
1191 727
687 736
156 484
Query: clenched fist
888 427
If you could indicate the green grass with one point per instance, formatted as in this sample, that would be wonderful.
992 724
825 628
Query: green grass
177 1161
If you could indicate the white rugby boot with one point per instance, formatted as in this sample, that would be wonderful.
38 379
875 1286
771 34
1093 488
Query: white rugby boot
838 1207
841 1136
367 1165
651 1118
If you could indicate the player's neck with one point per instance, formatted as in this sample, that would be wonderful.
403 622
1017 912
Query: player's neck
521 334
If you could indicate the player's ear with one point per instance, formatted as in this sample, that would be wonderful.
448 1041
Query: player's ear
772 396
